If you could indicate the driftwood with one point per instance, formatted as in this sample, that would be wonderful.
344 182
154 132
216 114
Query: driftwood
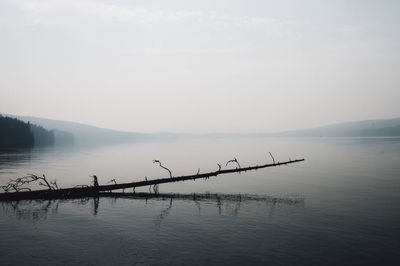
88 191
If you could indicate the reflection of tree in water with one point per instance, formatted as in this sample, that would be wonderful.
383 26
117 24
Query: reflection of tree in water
232 208
35 210
227 204
15 156
230 204
12 159
30 209
94 201
163 214
198 206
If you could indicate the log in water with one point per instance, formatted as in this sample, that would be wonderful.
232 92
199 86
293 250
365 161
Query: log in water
88 191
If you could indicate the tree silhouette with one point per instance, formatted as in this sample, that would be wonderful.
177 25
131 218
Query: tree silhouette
15 133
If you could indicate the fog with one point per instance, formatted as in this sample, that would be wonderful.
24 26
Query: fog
200 67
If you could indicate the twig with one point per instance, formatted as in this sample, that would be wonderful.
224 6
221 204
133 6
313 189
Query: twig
54 183
273 159
233 161
17 184
169 171
46 183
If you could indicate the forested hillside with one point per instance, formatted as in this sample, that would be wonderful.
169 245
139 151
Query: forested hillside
15 133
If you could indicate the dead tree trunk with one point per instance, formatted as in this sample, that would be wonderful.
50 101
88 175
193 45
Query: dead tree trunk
94 190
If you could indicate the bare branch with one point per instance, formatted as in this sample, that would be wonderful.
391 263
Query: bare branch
219 167
54 183
233 161
113 181
18 183
47 183
273 159
169 171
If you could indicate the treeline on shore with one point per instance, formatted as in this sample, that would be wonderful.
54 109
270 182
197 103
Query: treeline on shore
15 133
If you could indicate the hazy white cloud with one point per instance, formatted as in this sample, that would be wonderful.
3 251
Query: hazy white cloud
45 12
174 51
53 12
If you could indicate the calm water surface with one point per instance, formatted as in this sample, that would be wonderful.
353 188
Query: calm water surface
349 212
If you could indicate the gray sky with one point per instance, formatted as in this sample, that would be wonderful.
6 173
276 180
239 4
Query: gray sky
200 66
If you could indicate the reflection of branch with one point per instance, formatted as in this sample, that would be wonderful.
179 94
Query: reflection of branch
219 204
31 210
95 205
169 171
230 203
233 161
155 188
164 213
296 200
198 206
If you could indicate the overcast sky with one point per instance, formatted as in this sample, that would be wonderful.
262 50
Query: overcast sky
200 66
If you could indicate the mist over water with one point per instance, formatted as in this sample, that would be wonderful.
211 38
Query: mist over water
109 90
349 211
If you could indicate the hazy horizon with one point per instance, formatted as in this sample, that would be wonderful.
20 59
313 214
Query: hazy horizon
200 67
348 126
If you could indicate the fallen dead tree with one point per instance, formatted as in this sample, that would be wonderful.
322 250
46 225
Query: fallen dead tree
53 191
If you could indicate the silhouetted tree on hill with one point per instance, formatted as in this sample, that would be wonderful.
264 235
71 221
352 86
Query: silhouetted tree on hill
42 136
15 134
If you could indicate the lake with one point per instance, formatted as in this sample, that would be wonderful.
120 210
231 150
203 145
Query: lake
341 206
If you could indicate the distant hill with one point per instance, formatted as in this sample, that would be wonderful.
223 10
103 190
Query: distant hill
68 132
384 131
85 134
378 127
